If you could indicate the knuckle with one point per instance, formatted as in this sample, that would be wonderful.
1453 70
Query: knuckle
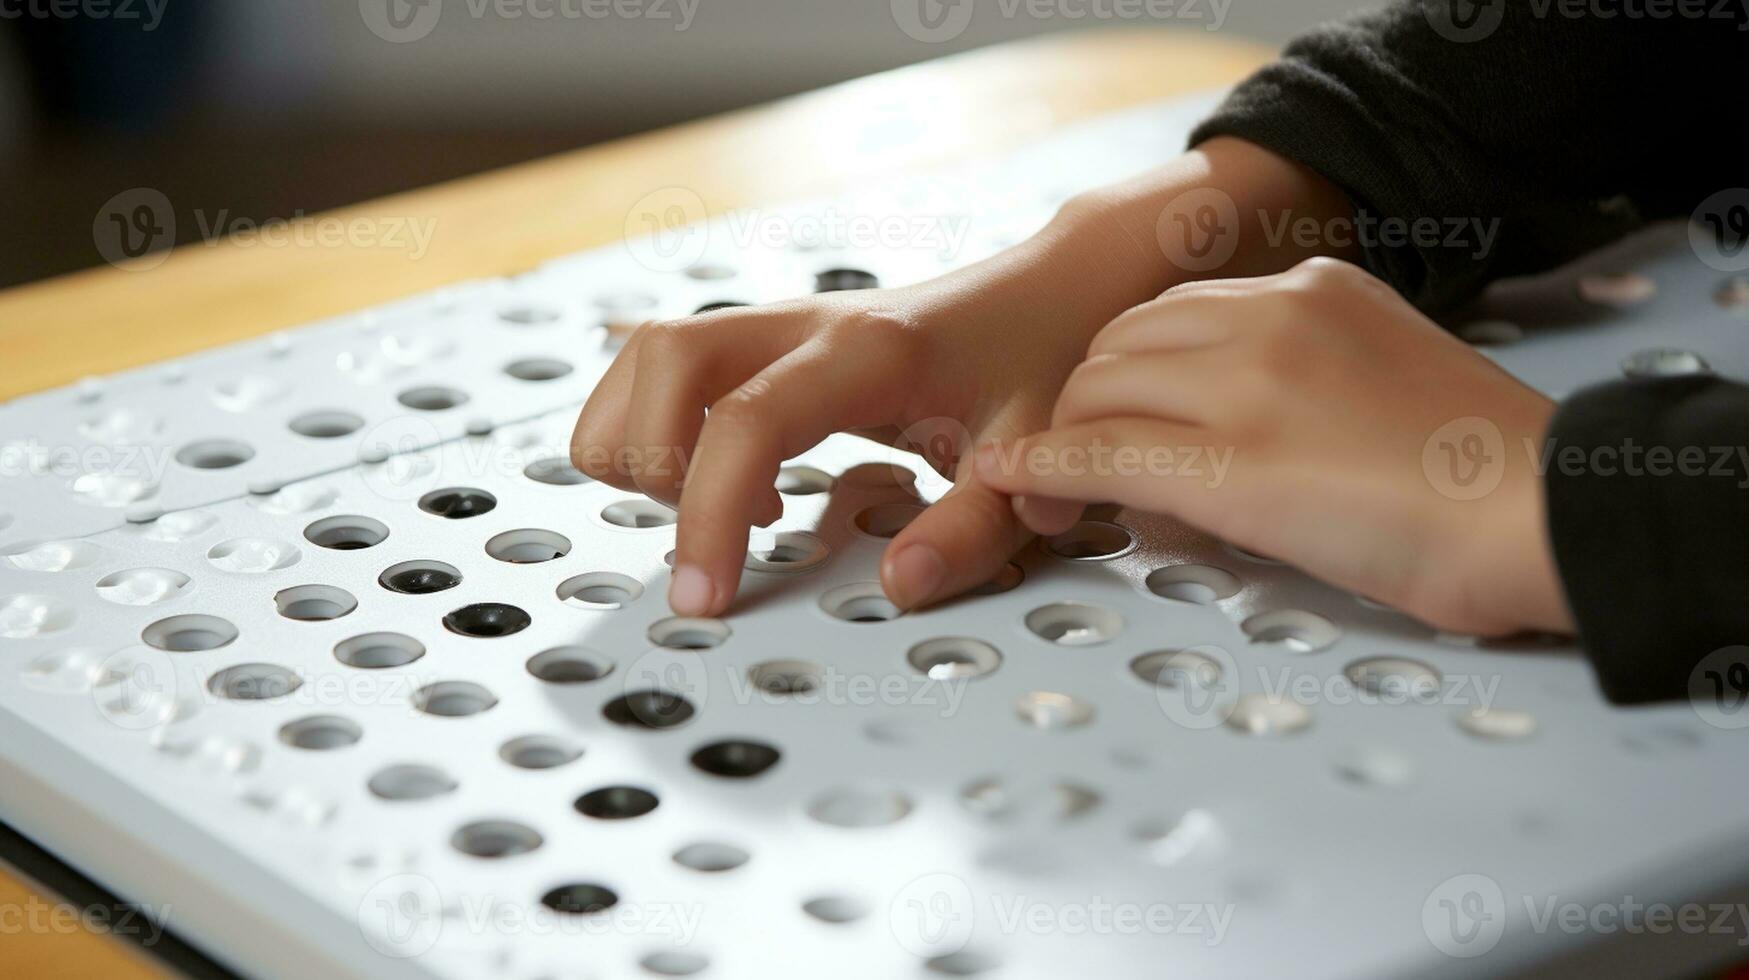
886 332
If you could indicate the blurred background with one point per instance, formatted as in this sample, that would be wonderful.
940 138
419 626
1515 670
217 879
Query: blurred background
276 108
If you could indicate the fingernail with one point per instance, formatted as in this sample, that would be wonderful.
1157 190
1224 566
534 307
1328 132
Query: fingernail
691 593
918 572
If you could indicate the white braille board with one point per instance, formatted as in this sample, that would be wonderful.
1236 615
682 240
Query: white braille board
238 685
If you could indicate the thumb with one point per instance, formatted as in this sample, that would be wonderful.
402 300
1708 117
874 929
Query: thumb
958 543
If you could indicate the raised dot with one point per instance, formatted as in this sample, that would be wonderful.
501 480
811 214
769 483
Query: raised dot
1200 584
420 577
1498 724
580 898
599 590
1169 841
326 424
1394 678
638 514
859 602
347 533
247 393
253 556
495 839
886 520
1052 711
111 489
616 803
454 699
458 503
539 752
487 619
214 454
180 526
320 733
1259 714
537 369
651 710
1074 624
432 398
735 758
688 633
375 651
254 682
787 551
856 807
314 603
1294 630
1664 362
52 556
1375 766
190 633
1091 541
951 658
297 499
803 481
711 857
569 665
23 617
528 546
555 471
411 782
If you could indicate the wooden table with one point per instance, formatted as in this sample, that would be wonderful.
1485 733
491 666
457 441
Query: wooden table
503 222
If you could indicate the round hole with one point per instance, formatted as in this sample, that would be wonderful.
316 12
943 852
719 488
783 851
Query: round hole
859 602
252 556
1293 630
190 633
1664 362
254 682
432 398
539 752
453 699
1497 724
1395 678
1091 541
839 280
638 514
528 316
1375 766
599 590
580 898
616 803
1074 624
1052 711
673 964
347 533
952 658
1002 802
964 963
411 782
787 551
537 369
711 857
569 665
326 424
786 677
1491 333
487 619
688 633
528 546
320 733
735 758
710 272
374 651
555 471
1260 714
803 481
214 454
1618 290
1178 669
886 520
859 807
495 839
458 503
835 909
1005 580
652 710
1200 584
142 586
722 304
314 603
420 577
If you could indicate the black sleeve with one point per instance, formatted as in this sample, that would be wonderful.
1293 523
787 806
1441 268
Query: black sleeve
1558 126
1647 485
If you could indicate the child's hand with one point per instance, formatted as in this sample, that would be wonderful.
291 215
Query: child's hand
1361 443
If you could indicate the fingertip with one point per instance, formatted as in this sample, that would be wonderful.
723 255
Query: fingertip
1046 516
912 575
691 592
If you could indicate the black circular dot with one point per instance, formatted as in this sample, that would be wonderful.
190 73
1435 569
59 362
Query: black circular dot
648 709
616 803
580 898
416 578
487 619
736 759
720 305
838 280
457 503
